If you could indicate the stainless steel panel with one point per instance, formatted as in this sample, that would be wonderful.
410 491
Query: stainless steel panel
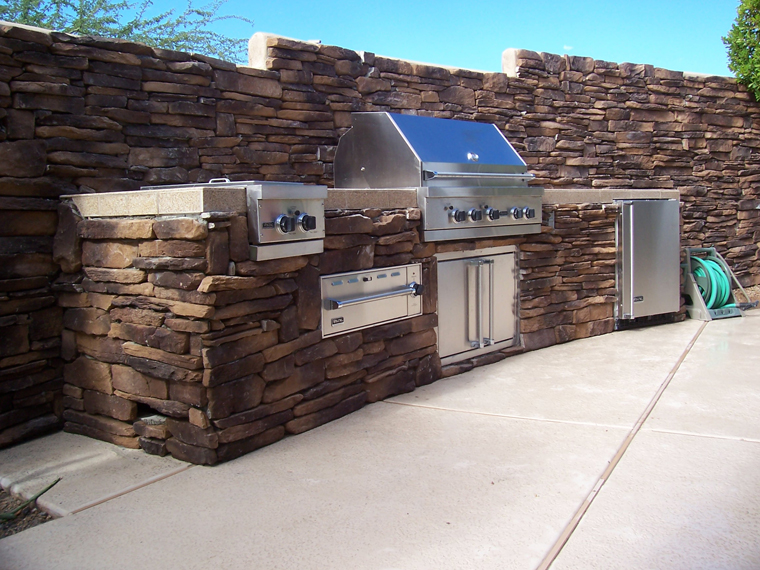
263 216
360 299
648 267
477 302
286 249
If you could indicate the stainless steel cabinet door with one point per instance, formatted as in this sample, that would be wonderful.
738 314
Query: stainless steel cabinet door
476 303
648 272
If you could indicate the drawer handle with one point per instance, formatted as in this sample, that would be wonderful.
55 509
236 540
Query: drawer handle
413 289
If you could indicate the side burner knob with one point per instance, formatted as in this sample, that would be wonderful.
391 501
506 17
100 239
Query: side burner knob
529 212
475 215
458 216
517 213
307 223
285 224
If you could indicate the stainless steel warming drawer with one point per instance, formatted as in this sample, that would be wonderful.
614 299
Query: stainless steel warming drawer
360 299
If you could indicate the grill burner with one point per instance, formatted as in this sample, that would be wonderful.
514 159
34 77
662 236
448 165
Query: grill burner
470 182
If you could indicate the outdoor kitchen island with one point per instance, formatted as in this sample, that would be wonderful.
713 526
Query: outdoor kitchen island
176 341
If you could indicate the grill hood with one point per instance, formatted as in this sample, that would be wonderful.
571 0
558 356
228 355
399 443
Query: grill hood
386 150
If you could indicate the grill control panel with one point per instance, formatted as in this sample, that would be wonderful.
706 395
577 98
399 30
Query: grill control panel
463 217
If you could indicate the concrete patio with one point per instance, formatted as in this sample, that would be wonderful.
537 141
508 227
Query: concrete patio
638 449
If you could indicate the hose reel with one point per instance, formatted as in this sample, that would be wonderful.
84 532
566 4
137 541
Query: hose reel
707 285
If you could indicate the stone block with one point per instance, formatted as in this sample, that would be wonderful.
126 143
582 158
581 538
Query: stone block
125 276
258 412
172 248
279 369
106 424
89 374
193 435
329 400
181 228
95 433
389 383
355 224
66 243
164 407
138 316
186 361
236 350
116 229
240 447
112 254
309 298
198 418
272 267
152 426
126 379
248 430
307 422
191 453
318 351
237 369
170 263
304 377
101 348
191 393
231 283
288 321
153 446
239 244
161 338
411 342
428 370
217 253
342 260
163 370
109 405
27 158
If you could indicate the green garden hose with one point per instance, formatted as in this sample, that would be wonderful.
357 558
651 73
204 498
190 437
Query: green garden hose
713 283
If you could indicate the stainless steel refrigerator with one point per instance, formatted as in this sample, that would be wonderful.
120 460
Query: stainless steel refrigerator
648 258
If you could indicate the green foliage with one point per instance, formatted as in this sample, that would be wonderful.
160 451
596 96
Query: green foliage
743 42
187 31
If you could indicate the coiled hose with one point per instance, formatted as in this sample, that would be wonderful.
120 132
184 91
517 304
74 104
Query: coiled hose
717 285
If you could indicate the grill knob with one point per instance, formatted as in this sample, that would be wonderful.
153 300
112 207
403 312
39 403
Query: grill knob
285 224
458 216
493 214
475 215
529 212
517 213
307 223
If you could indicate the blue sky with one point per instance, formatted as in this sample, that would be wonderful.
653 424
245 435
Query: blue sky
674 34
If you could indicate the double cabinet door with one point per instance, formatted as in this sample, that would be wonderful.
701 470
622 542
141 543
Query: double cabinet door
476 302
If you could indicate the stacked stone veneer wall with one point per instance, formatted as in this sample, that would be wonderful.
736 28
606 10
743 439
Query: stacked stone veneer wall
79 114
177 342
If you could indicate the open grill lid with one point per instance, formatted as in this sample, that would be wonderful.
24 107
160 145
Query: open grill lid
386 150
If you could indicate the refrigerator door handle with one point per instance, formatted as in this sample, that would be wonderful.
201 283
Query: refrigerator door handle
489 341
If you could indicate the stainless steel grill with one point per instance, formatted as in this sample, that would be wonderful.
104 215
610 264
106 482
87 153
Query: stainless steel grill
471 183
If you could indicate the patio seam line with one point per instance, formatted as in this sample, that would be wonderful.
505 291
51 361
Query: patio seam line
705 435
579 514
508 416
105 498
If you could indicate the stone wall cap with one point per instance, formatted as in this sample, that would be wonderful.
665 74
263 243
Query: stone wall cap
175 201
606 195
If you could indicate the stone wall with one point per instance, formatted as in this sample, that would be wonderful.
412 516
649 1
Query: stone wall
80 114
176 342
